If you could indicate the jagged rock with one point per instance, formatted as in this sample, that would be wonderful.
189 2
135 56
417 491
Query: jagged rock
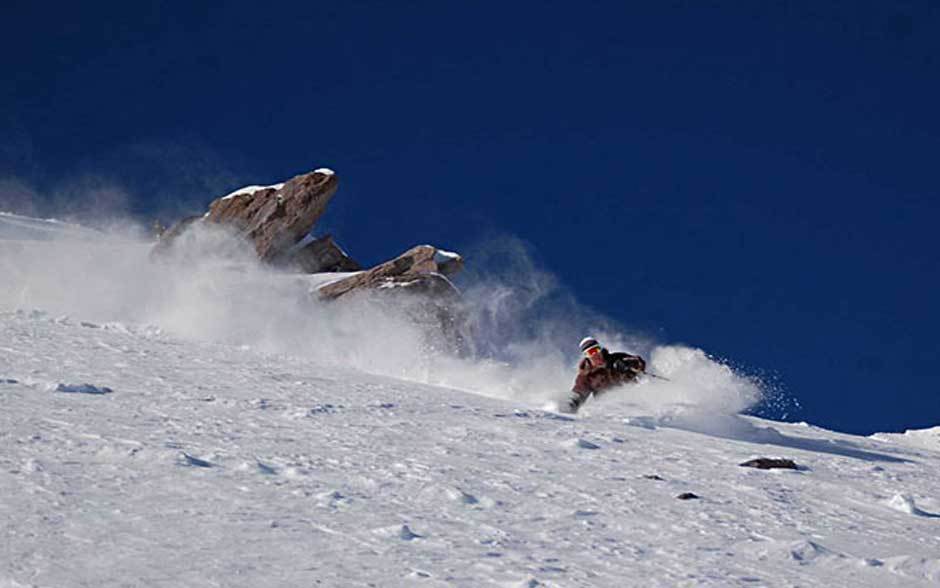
422 269
277 217
768 463
276 221
321 255
415 282
273 218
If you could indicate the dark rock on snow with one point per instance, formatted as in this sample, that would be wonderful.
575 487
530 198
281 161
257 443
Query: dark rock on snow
416 281
83 389
768 463
688 496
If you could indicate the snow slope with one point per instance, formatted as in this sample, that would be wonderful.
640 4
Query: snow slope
924 438
137 453
211 465
16 227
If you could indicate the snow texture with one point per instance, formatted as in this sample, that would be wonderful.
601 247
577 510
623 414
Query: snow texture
14 228
925 438
251 190
222 459
441 257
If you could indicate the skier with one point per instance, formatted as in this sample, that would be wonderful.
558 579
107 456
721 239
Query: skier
601 370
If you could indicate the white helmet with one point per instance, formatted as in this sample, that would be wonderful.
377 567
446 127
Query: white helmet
587 343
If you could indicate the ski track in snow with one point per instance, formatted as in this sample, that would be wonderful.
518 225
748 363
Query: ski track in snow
214 465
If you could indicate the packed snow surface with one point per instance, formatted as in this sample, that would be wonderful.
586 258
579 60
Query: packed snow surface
155 432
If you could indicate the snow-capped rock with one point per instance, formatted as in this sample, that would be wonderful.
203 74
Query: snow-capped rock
273 218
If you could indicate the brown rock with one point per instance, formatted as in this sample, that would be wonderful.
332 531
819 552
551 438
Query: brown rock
322 255
415 268
416 283
274 218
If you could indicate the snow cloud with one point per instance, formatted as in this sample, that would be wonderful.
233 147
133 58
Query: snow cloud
525 326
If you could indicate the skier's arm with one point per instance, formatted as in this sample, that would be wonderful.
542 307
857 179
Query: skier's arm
581 383
629 363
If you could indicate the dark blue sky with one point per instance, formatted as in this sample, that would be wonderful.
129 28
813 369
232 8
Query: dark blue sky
754 178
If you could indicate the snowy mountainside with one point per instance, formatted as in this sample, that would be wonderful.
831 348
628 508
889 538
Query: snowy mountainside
205 464
924 438
17 227
206 424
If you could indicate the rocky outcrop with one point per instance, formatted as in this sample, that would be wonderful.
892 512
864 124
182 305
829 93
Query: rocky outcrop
278 221
273 218
276 217
423 268
321 255
416 282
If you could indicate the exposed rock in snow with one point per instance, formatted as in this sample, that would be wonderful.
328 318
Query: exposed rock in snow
421 268
279 219
273 218
321 255
83 389
769 463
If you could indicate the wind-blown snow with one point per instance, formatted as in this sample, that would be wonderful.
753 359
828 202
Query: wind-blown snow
202 421
18 228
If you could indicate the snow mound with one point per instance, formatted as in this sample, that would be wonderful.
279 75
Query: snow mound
905 503
919 438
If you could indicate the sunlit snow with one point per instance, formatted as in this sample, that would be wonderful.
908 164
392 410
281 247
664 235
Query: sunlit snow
203 421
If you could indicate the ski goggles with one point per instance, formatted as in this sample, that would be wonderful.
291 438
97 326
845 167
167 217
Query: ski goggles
590 351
